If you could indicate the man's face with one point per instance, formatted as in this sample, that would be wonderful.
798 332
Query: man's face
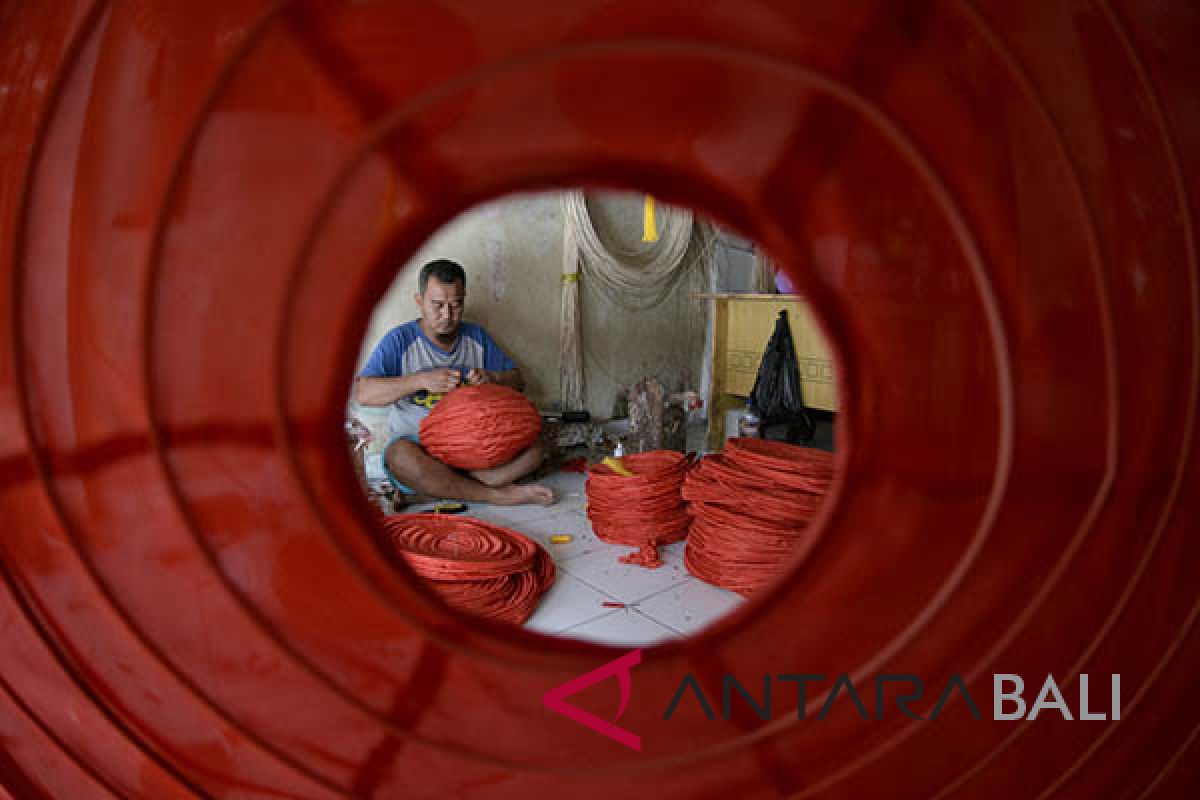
442 306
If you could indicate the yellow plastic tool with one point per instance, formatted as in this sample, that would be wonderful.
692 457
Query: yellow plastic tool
560 538
649 226
429 400
450 508
616 466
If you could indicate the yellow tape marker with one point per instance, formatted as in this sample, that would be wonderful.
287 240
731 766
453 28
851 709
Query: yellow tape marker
649 226
430 399
560 538
616 466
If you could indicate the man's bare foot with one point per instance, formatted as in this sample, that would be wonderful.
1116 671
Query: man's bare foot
527 494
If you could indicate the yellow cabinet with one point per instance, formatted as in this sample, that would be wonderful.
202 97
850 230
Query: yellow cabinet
742 326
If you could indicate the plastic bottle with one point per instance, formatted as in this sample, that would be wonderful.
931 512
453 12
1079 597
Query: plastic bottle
749 423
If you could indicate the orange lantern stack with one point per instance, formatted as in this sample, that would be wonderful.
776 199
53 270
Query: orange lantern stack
750 511
642 510
472 565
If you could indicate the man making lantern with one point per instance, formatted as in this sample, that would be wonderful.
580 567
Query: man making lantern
484 434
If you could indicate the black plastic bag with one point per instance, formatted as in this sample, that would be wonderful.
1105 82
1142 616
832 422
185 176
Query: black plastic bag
776 394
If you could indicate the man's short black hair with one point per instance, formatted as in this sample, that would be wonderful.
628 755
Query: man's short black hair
444 270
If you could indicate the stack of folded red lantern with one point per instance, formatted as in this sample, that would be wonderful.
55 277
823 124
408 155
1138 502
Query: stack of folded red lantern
640 504
751 507
472 565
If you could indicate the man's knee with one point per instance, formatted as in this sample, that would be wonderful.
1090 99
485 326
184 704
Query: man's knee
529 460
401 455
491 478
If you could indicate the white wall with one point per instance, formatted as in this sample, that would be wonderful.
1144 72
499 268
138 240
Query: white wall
512 252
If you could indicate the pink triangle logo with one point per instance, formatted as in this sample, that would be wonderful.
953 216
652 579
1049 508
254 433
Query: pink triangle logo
556 699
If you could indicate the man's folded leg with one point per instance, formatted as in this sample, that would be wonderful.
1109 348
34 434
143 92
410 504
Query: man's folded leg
412 467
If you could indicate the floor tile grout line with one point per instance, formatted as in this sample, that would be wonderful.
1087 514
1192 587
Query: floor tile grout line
605 615
666 628
691 631
591 586
657 592
559 513
671 628
569 605
577 555
581 534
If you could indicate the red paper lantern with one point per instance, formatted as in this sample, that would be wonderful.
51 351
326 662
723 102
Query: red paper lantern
478 427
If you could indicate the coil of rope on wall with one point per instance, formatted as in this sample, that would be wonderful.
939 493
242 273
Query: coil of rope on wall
635 278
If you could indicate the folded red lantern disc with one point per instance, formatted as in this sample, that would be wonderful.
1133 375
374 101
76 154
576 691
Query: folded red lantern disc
474 566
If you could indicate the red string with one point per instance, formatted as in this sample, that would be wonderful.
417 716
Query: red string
479 427
750 511
644 510
472 565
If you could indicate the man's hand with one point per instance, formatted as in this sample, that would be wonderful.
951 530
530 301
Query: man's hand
478 376
440 381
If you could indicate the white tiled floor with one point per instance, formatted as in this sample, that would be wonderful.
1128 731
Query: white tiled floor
660 604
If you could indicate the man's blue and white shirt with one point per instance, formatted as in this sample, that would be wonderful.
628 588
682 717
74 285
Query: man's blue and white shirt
406 350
